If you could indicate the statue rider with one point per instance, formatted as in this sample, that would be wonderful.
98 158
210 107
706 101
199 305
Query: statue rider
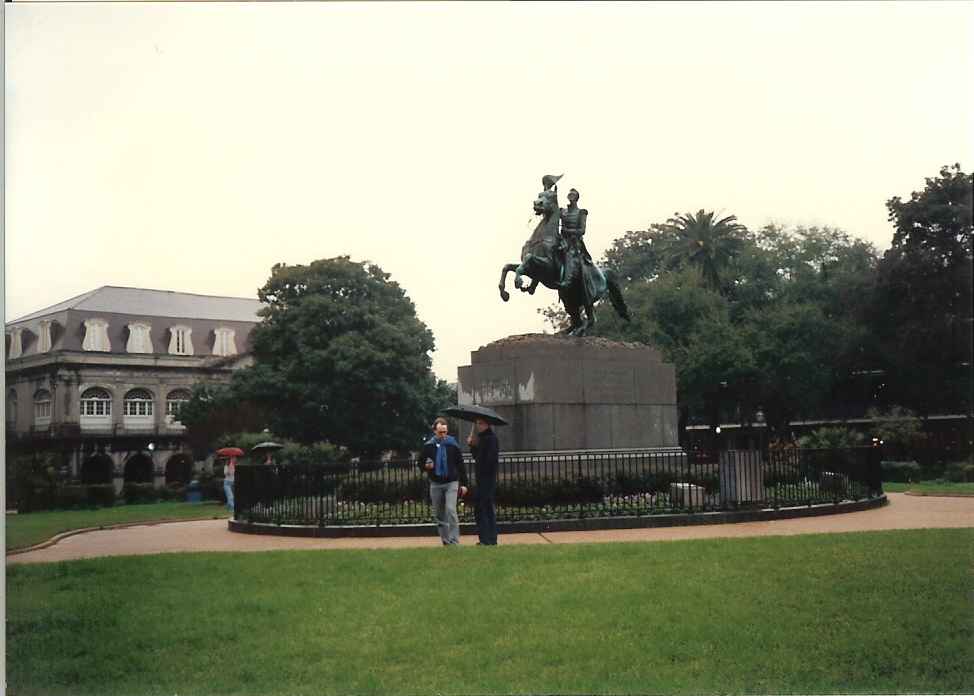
577 260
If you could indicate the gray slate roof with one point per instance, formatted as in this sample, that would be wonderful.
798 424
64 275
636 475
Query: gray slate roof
156 303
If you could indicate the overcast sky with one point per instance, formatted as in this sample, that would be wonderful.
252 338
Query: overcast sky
190 147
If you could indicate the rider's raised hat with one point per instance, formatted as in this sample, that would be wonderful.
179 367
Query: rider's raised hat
549 180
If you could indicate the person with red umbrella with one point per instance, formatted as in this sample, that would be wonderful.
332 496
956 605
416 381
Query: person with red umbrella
229 470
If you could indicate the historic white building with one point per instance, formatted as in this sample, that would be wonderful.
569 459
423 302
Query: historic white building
100 378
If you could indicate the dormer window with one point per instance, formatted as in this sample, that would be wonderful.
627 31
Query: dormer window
96 336
225 342
180 340
44 337
139 339
12 408
42 408
16 347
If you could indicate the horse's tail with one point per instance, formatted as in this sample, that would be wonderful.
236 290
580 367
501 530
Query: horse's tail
615 295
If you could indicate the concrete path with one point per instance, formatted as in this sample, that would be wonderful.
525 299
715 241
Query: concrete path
903 512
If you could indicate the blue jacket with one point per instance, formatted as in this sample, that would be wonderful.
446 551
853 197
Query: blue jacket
454 461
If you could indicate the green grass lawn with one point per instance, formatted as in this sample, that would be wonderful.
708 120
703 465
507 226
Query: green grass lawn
35 527
879 612
931 488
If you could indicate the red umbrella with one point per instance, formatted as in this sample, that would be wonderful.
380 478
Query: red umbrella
229 452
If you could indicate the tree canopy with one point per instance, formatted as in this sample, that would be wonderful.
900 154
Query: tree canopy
341 357
772 320
922 307
805 320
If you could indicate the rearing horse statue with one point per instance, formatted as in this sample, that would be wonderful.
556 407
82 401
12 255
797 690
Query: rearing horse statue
542 260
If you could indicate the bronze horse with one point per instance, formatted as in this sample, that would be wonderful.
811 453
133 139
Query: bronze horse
541 261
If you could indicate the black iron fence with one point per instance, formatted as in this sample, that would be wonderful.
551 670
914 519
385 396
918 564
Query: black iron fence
556 486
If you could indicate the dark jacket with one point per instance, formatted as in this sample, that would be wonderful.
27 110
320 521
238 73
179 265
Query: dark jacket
485 455
454 462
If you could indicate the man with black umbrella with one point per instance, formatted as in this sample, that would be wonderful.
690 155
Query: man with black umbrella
485 450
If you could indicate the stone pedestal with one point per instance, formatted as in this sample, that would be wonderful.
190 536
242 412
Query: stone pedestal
561 393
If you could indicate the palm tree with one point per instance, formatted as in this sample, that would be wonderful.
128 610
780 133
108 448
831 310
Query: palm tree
697 240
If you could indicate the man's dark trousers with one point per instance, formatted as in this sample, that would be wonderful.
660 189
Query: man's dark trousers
485 510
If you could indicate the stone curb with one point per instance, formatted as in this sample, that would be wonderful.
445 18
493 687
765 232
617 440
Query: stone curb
122 525
924 494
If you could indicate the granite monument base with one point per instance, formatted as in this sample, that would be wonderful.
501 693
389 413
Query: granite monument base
562 393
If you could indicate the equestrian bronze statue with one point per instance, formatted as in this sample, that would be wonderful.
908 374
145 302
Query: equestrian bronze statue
555 256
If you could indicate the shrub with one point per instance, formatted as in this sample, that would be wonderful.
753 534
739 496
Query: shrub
71 497
101 494
135 493
900 472
898 427
564 491
34 480
172 491
959 472
830 438
383 491
782 474
211 487
831 483
367 465
709 482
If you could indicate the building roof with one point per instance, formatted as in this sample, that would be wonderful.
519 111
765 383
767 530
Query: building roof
156 303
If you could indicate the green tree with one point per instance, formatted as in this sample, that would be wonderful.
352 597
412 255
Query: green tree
896 426
213 411
800 354
341 357
785 332
702 242
922 314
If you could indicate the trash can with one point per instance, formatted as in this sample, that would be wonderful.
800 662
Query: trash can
194 492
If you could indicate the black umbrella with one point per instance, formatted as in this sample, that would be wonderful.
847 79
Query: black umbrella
472 412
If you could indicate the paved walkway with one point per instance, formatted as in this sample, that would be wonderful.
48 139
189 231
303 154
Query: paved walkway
903 512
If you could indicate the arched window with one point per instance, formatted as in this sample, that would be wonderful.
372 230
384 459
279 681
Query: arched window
174 401
138 402
96 409
96 402
12 408
42 408
138 409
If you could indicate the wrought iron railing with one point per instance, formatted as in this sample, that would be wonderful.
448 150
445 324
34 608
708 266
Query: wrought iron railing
555 486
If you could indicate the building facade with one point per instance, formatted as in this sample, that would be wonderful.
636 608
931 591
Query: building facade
99 379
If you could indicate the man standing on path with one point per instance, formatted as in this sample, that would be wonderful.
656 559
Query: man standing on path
485 450
442 460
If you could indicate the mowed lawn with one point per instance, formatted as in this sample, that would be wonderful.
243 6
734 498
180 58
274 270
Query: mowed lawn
878 612
35 527
933 488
